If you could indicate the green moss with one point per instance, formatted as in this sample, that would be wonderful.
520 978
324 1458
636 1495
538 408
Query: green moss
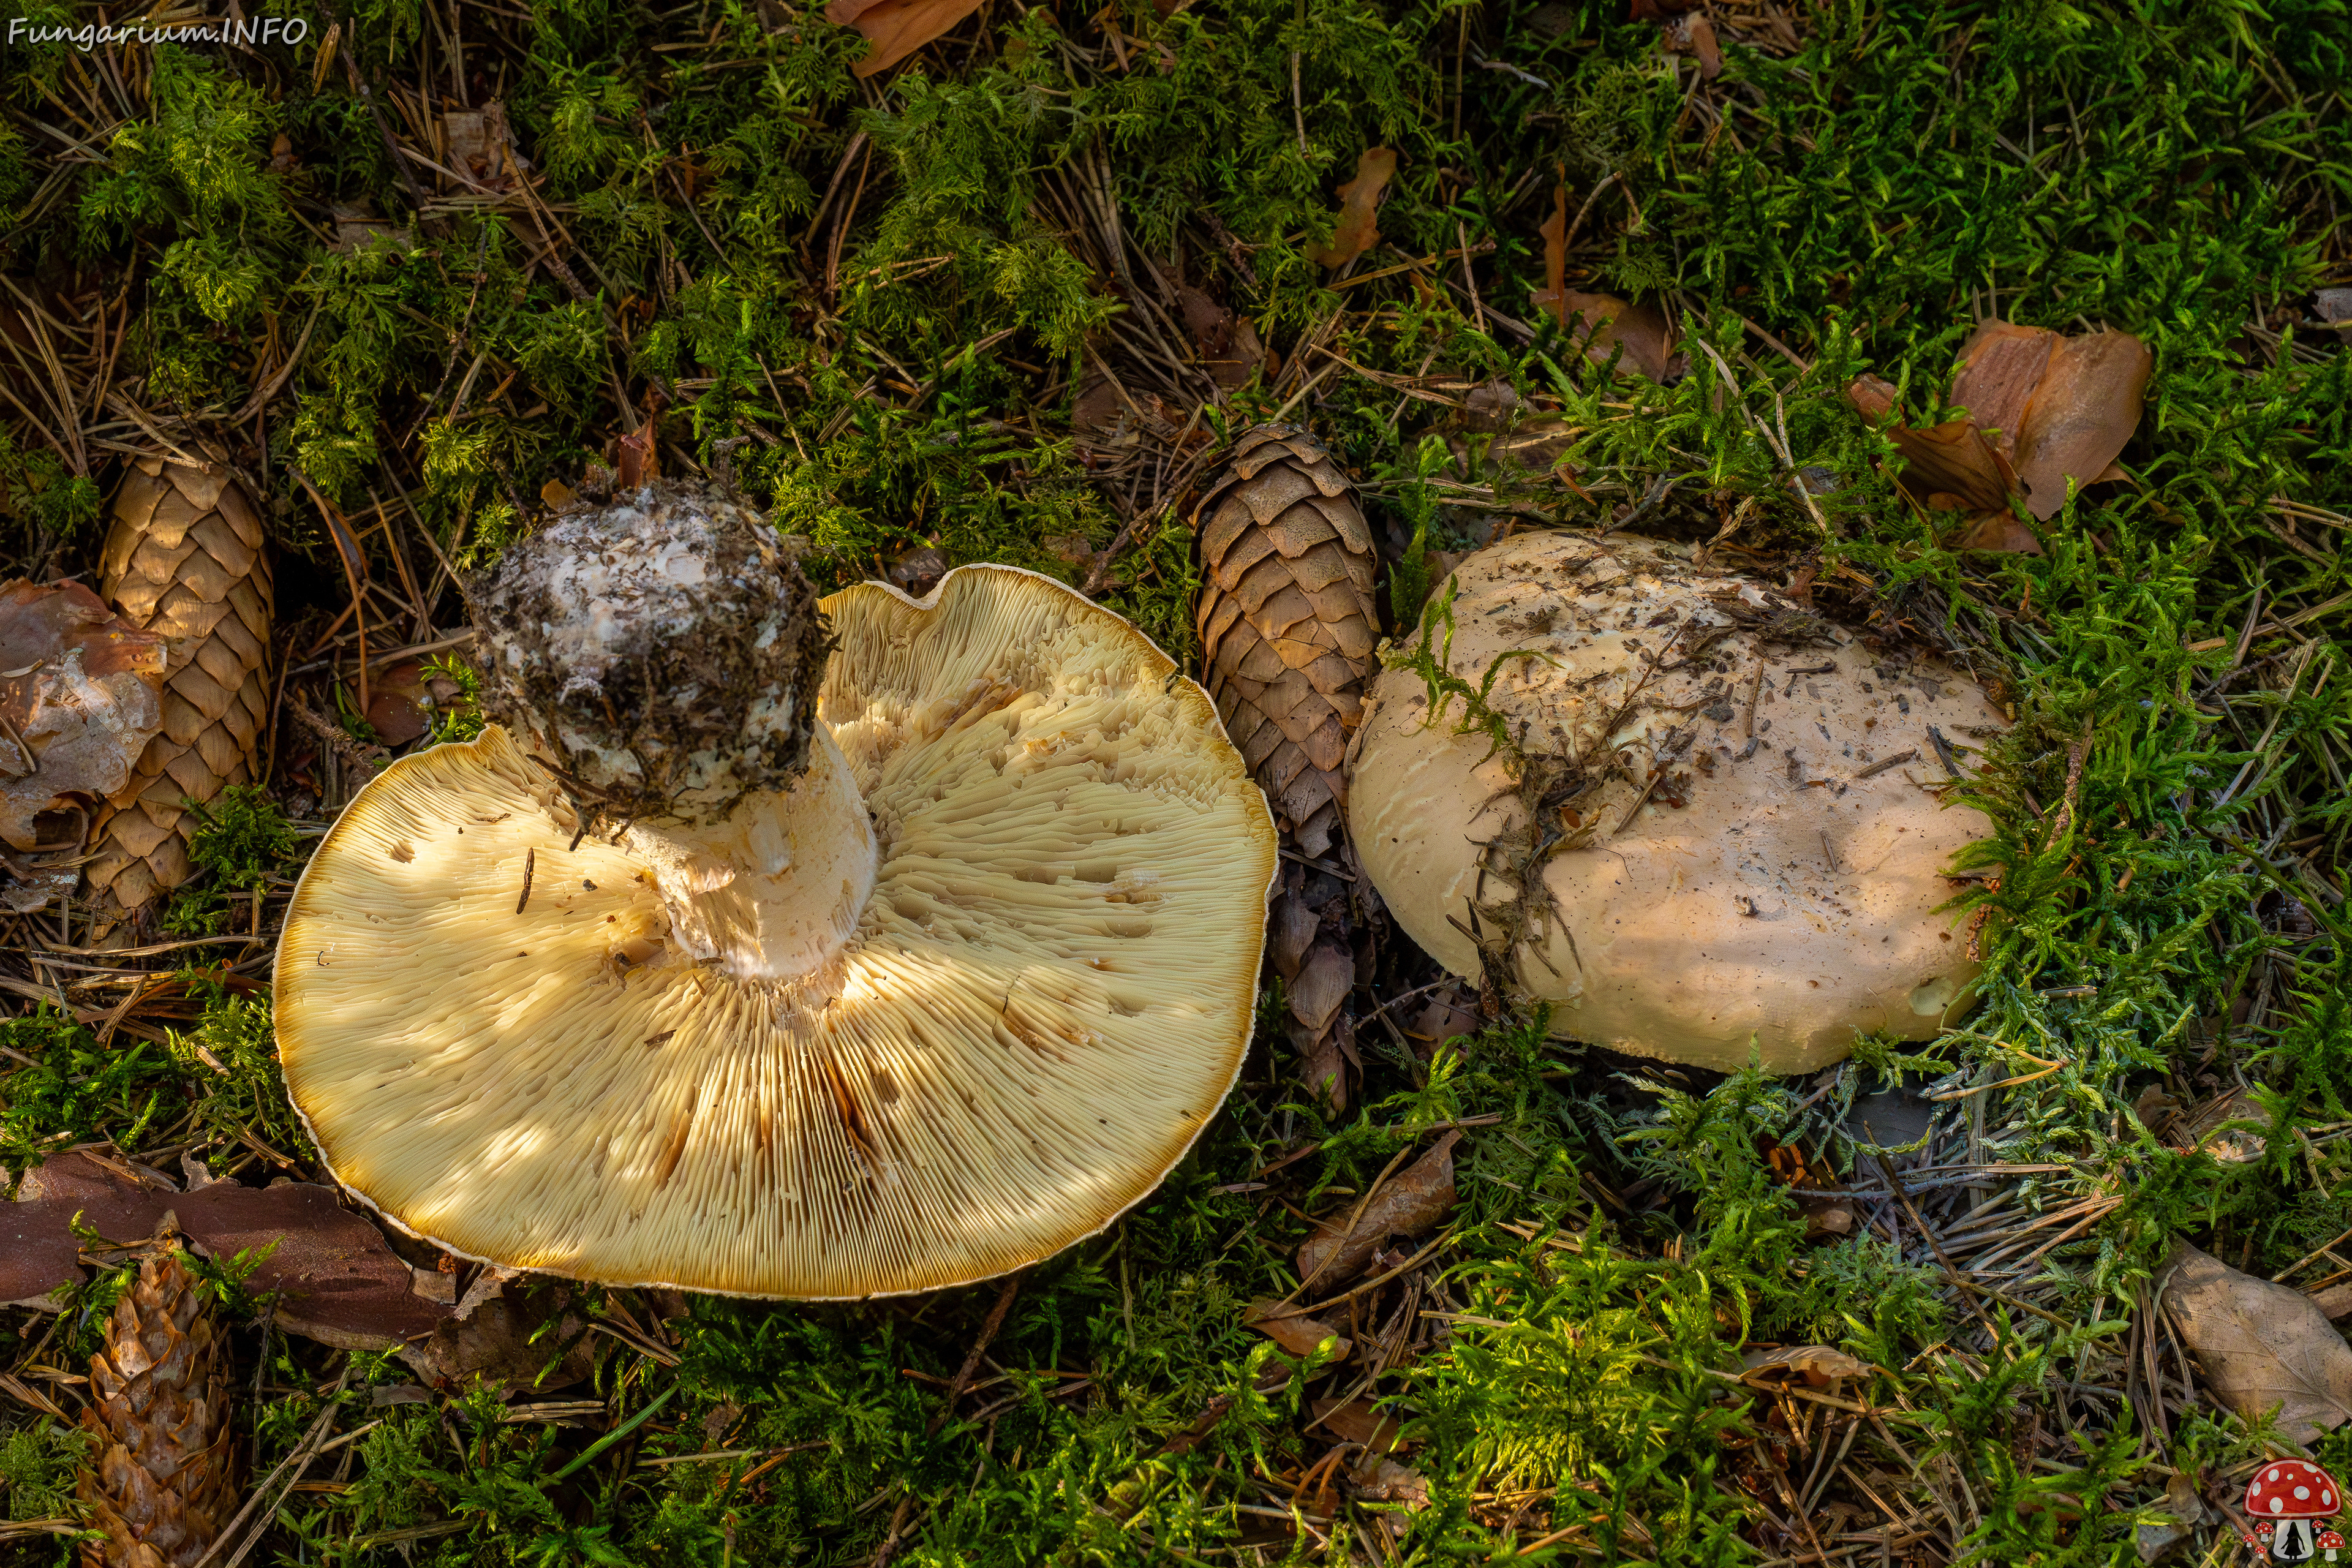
241 841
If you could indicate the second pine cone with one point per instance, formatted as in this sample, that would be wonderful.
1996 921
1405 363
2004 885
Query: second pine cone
1288 620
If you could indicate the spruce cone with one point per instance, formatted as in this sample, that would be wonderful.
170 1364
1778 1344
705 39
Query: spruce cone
161 1484
1288 620
183 557
1287 626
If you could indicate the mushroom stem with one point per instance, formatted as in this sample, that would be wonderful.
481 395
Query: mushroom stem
773 890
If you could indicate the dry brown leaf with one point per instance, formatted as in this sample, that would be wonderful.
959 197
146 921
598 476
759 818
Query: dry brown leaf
1952 467
1323 984
2262 1345
496 1344
1602 322
1692 34
1299 1335
1356 233
398 703
1446 1018
1097 407
2000 367
919 571
2185 1509
1816 1364
1385 1480
2336 1302
2080 414
1996 530
1873 397
1827 1216
2207 1129
1228 343
338 1281
896 28
1409 1204
1355 1421
80 696
2041 409
1555 238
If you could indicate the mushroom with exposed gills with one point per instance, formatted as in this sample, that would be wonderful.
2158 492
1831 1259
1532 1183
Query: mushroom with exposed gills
774 947
1721 832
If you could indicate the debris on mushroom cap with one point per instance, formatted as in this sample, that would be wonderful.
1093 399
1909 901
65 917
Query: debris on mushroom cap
1726 801
1040 1004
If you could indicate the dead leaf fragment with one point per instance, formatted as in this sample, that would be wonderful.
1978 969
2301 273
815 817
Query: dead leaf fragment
337 1280
501 1342
1602 322
1228 343
2080 416
476 139
2262 1345
1297 1334
919 571
1816 1365
2041 409
1355 1421
2208 1129
2336 1302
1409 1204
80 696
1385 1480
1692 34
1356 233
399 705
896 28
2001 365
2184 1510
2336 311
1323 984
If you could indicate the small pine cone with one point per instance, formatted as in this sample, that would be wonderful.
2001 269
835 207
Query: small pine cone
160 1485
1288 620
1287 628
184 557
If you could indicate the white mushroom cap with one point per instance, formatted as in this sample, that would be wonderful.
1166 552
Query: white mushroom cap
1789 898
1044 999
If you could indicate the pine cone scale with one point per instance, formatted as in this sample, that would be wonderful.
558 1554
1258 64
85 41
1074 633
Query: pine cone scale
1320 569
220 542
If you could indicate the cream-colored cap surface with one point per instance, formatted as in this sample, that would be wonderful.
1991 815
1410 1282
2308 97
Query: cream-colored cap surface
1048 995
1785 891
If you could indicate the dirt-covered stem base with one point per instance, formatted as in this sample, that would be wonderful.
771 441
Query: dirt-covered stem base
662 653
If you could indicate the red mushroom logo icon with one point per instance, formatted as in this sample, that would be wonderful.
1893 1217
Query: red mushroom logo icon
2284 1500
